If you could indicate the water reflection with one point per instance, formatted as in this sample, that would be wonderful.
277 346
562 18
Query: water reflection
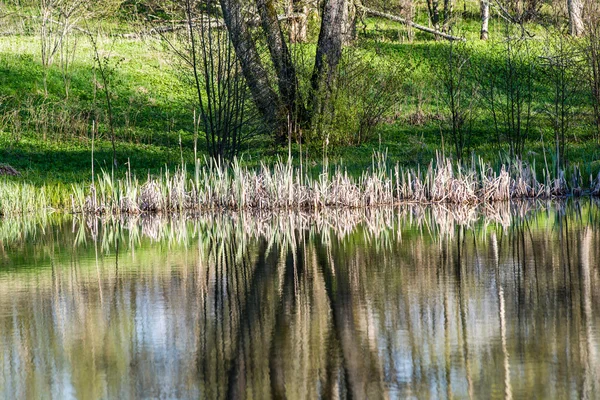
406 302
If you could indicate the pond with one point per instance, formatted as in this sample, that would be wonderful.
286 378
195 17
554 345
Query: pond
408 302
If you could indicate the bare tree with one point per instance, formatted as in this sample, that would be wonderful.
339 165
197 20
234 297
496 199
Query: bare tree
460 97
508 88
297 14
592 52
329 49
485 19
58 19
255 73
102 63
576 26
559 66
210 66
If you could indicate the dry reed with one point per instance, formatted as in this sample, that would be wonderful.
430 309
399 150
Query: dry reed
282 186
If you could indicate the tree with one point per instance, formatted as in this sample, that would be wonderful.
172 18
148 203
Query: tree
434 13
592 53
255 73
485 19
285 106
210 66
297 14
329 50
281 58
575 8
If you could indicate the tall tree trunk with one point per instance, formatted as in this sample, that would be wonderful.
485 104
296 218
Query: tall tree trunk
575 8
282 61
350 23
434 14
485 19
448 8
329 51
265 98
297 12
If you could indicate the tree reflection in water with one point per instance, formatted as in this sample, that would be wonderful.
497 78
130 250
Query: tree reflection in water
392 303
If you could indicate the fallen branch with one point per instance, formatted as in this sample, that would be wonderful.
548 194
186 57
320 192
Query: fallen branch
176 25
409 23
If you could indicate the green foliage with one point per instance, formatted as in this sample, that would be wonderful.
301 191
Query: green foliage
390 96
365 94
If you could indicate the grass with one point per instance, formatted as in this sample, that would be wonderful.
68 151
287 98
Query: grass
48 137
212 186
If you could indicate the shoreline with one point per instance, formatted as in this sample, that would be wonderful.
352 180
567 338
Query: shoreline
282 186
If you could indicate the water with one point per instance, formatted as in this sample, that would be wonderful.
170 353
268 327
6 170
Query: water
405 303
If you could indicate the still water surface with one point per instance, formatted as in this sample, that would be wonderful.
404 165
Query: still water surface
404 303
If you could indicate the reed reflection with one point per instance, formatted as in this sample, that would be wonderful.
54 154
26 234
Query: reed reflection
391 303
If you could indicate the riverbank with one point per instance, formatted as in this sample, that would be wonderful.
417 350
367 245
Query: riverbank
210 186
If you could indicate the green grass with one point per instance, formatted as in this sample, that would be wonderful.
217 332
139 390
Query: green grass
48 138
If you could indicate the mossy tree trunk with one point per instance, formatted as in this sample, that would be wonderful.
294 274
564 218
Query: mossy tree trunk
334 25
290 105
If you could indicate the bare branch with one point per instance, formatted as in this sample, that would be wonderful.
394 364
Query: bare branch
409 23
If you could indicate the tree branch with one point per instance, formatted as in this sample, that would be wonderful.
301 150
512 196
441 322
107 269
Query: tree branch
409 23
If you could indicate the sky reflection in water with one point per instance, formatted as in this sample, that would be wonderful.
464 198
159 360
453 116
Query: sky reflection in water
409 302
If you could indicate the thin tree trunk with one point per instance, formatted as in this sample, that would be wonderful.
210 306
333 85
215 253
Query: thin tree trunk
297 14
434 14
575 8
350 25
329 51
264 96
282 61
485 19
448 8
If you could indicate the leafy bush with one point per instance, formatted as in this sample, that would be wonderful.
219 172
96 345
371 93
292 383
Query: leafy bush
365 93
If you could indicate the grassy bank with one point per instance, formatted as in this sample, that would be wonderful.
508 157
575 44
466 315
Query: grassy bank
211 186
47 130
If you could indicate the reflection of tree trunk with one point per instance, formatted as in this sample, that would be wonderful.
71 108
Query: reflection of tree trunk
283 322
447 350
330 387
463 320
502 320
485 18
590 363
358 361
252 319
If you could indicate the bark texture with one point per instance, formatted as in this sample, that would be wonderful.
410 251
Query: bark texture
264 96
485 19
297 13
576 27
434 13
282 60
329 47
448 10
